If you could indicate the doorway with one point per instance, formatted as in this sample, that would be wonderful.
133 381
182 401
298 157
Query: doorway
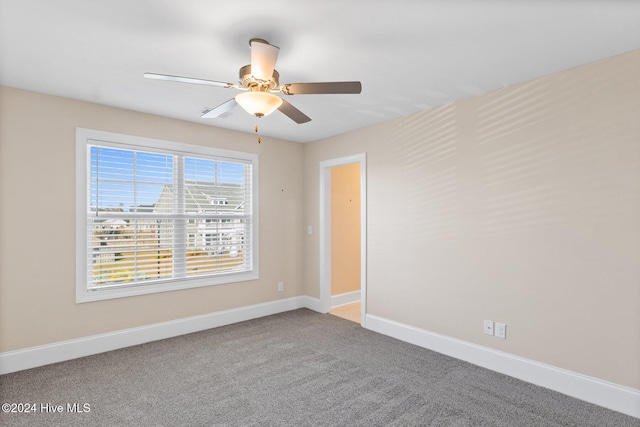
343 249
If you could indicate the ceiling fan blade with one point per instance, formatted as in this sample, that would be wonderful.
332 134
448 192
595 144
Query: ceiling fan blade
293 113
211 113
321 88
187 80
263 59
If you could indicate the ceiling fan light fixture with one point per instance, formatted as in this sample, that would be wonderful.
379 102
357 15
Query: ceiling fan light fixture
259 104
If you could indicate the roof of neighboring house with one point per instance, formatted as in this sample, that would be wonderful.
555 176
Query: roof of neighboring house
203 196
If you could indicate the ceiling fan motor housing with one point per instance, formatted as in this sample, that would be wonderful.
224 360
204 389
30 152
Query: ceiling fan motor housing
250 82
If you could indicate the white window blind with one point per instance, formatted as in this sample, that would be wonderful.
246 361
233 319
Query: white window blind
159 216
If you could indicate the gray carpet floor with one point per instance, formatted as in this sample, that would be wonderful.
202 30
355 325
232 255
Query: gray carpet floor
298 368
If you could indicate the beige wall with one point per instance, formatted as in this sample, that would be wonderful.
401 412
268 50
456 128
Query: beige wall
345 229
37 222
520 206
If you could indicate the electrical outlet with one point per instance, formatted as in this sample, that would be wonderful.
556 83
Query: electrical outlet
488 327
280 286
501 330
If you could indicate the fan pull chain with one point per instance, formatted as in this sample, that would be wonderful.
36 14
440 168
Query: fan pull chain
258 134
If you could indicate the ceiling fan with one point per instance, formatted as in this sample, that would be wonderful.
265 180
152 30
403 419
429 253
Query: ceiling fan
259 82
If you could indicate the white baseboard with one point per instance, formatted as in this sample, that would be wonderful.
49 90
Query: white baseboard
346 298
593 390
311 303
32 357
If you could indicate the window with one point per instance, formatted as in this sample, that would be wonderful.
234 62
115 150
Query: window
155 216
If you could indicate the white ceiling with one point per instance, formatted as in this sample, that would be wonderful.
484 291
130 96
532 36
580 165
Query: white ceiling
410 55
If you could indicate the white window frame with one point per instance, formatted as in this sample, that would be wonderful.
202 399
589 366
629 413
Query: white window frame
87 137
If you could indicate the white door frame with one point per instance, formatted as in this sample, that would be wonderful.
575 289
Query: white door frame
325 230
